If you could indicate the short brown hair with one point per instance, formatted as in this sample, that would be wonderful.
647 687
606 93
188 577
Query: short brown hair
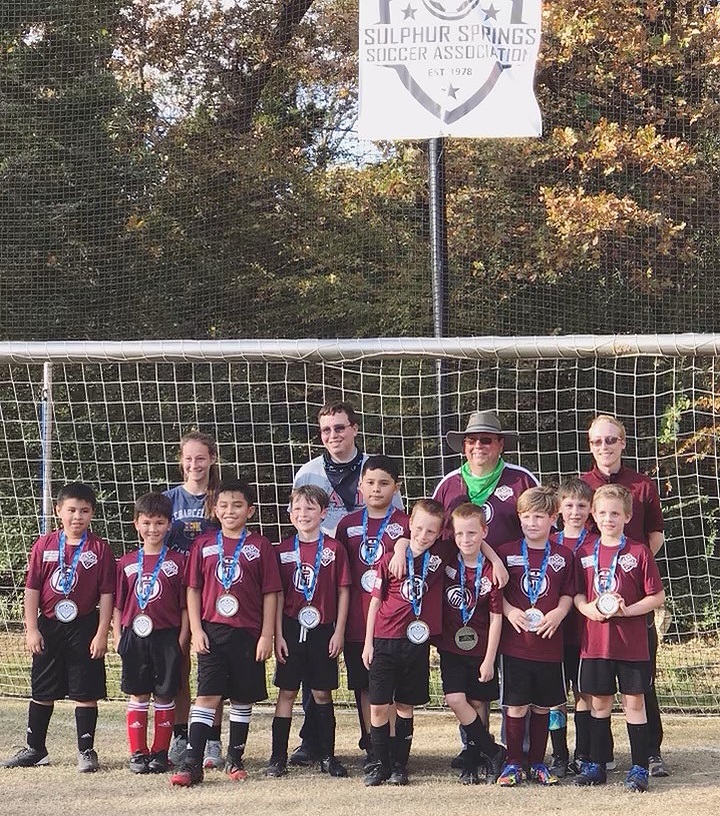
434 508
614 491
154 504
468 510
574 488
331 408
311 493
539 500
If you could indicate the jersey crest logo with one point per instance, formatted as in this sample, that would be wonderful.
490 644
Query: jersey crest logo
370 553
534 577
413 591
143 582
394 530
225 567
627 562
327 557
170 568
251 552
504 492
88 560
556 562
434 562
289 557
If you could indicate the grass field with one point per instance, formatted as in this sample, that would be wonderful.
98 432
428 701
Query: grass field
692 752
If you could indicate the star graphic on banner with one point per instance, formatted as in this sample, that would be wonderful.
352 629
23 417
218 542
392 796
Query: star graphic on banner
452 91
491 13
409 12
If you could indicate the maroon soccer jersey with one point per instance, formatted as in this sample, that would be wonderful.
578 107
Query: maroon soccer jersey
364 553
255 575
167 597
500 508
574 623
396 610
636 576
646 512
490 599
559 580
95 574
333 572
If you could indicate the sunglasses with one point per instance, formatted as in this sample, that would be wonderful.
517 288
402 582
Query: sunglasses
608 440
483 440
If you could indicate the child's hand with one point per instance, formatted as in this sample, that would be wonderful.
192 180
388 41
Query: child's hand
116 641
487 671
34 642
550 623
518 621
367 656
264 648
281 649
337 641
500 574
200 642
590 611
398 566
98 646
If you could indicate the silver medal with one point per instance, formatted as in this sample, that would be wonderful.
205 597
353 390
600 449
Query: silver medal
417 632
533 616
309 617
466 638
607 604
227 605
142 625
367 582
66 610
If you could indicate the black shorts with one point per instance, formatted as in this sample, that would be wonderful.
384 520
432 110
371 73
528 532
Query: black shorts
399 672
358 677
230 669
307 662
460 675
150 665
531 682
571 663
65 668
598 675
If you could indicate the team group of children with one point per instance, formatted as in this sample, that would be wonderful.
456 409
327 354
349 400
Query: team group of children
511 624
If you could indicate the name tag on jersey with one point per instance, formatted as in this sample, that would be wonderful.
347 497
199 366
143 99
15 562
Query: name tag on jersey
587 561
355 531
208 550
50 556
131 569
515 561
289 557
451 572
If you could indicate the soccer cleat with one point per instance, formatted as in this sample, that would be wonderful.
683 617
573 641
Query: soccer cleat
302 756
399 775
469 776
637 779
176 754
657 767
88 761
377 774
540 773
158 763
213 758
369 760
576 766
276 768
495 765
187 775
26 758
592 774
235 769
559 767
510 776
458 762
140 762
611 765
331 766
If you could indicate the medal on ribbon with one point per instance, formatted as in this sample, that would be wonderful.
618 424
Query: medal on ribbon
66 610
417 631
466 638
142 623
369 553
580 539
534 585
309 616
227 605
607 601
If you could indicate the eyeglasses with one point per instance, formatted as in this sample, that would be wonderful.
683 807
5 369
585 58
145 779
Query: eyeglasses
482 440
328 429
608 440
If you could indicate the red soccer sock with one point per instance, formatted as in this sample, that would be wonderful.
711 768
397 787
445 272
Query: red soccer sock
137 720
164 718
538 737
515 734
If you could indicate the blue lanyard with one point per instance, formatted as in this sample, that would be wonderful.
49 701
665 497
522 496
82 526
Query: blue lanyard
226 574
143 591
66 579
309 588
466 615
604 586
373 550
534 586
578 543
416 600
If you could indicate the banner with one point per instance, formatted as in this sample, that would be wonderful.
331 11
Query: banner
432 68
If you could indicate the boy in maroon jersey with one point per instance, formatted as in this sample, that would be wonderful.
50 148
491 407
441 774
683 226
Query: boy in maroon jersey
575 497
402 615
71 572
150 628
472 623
368 534
618 584
232 584
538 597
310 626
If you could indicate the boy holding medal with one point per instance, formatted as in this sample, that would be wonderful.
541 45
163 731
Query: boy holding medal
537 599
472 623
68 606
232 584
310 626
150 628
618 584
368 534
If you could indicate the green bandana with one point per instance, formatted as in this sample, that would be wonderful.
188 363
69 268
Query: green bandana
479 488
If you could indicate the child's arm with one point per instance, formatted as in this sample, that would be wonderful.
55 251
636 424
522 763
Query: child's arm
281 648
643 606
369 648
487 667
500 574
33 639
99 644
200 641
116 627
265 641
337 641
516 616
655 542
184 636
589 610
398 564
553 619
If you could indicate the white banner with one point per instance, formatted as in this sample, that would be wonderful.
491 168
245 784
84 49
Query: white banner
431 68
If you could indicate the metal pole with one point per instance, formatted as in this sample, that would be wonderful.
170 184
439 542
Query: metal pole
46 431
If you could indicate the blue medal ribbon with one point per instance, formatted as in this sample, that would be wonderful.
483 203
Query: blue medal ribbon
66 579
416 601
226 575
309 588
534 585
144 592
581 538
372 550
604 586
464 611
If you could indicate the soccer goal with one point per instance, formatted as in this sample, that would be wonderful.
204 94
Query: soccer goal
111 414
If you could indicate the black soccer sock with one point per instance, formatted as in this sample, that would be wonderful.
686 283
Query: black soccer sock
214 733
201 720
479 741
86 723
403 739
240 715
325 719
280 737
558 738
600 735
582 735
380 735
308 730
180 730
364 741
38 724
639 743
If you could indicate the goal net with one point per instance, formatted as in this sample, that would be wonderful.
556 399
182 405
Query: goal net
111 414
